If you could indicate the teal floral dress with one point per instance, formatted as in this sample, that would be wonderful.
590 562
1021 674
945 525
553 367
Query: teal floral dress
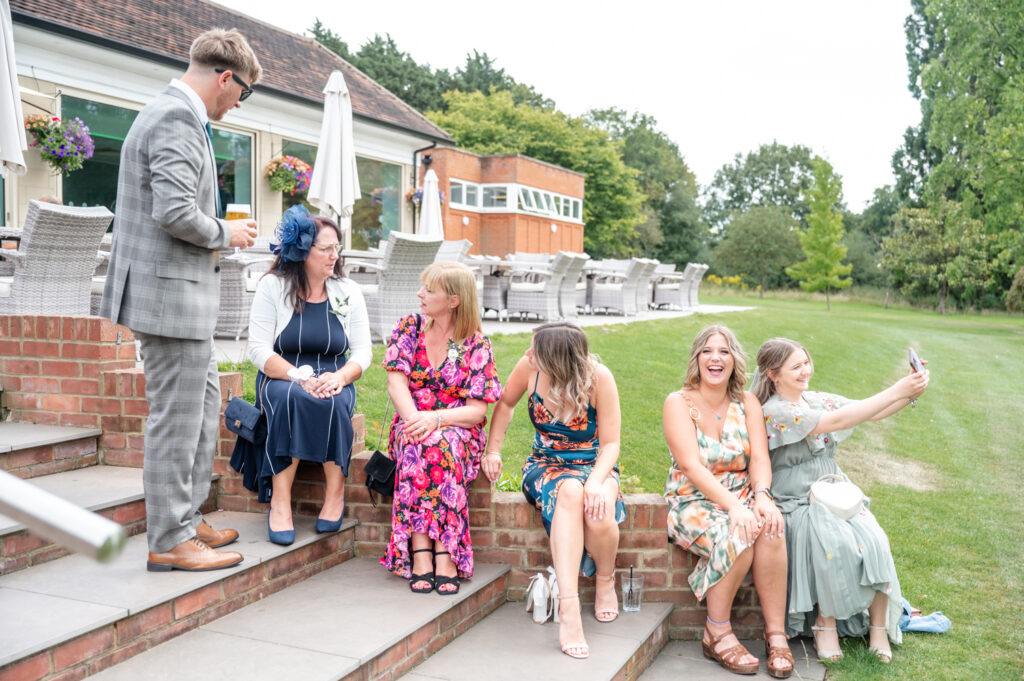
562 451
701 526
835 565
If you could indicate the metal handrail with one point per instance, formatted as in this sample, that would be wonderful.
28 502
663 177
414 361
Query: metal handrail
59 520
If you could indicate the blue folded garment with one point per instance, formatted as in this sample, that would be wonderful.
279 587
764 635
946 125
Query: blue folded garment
935 623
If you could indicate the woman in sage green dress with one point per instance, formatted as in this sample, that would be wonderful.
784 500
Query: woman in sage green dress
842 579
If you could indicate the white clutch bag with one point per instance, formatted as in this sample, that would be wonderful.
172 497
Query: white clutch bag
840 496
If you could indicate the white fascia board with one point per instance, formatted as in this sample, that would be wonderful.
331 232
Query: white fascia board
80 69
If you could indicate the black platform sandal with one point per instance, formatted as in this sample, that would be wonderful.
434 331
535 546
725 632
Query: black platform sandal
442 580
427 577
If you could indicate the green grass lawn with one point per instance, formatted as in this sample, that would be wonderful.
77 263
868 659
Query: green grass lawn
945 478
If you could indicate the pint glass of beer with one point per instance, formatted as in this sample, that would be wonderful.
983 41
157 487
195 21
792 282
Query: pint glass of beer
238 211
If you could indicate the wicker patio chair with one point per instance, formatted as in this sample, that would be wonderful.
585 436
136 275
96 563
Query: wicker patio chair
392 293
54 261
698 277
453 251
239 274
573 287
535 289
671 287
644 293
618 290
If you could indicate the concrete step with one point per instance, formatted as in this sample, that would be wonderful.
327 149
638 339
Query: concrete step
29 450
684 659
354 621
508 646
73 617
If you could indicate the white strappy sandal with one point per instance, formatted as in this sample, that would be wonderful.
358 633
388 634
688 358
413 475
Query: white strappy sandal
538 599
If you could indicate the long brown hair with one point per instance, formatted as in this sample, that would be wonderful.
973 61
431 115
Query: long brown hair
561 351
294 272
772 354
738 380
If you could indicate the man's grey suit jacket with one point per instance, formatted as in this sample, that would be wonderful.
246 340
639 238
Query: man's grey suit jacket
164 277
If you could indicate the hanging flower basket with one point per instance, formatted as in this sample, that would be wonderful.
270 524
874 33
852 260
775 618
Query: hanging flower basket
63 145
415 196
288 174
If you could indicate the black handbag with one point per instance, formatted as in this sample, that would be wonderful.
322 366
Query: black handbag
380 468
245 421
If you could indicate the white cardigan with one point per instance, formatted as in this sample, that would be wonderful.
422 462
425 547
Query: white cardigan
271 313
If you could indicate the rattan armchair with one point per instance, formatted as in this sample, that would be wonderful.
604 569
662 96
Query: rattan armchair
54 261
391 293
671 288
536 289
573 290
618 290
239 274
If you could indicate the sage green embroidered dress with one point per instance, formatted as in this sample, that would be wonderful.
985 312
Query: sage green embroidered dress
699 525
836 565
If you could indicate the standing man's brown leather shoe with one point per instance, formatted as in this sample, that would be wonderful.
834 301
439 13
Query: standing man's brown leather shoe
215 538
193 556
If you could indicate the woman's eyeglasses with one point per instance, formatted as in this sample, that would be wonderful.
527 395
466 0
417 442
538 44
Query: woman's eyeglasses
327 250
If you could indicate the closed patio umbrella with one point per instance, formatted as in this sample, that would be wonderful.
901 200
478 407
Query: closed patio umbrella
334 186
430 213
12 123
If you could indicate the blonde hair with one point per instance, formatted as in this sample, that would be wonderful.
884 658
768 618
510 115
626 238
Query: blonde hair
561 351
772 354
456 280
226 49
738 380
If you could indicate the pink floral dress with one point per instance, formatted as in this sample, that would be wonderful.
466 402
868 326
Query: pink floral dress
432 477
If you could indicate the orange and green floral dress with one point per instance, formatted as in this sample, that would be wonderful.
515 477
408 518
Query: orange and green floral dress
562 451
700 525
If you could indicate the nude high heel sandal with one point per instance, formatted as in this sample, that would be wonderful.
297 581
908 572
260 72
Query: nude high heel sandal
884 656
580 651
827 655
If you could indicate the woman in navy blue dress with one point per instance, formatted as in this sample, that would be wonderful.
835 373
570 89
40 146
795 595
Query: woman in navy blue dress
571 474
310 338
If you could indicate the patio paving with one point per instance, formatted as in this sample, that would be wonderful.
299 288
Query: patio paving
230 350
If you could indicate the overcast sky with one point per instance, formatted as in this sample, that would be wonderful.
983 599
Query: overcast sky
721 78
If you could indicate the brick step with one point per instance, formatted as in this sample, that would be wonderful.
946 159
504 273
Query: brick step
509 646
114 492
29 450
73 617
353 622
685 660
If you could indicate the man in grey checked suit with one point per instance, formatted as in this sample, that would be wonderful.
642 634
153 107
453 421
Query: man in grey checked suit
163 282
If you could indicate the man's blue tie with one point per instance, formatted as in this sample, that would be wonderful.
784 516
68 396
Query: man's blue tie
216 182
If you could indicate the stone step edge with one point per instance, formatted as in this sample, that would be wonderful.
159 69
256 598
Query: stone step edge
136 632
18 435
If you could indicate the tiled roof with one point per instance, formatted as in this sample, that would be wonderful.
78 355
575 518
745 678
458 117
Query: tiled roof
163 30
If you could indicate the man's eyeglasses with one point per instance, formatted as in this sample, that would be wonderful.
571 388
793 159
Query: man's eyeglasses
246 90
327 250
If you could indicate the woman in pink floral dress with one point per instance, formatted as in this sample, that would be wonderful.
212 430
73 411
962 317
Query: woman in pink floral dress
441 377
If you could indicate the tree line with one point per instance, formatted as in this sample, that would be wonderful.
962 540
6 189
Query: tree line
947 233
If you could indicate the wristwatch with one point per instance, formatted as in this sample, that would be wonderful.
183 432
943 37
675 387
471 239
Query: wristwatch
767 491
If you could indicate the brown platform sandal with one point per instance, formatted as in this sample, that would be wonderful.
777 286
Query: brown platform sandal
727 658
776 652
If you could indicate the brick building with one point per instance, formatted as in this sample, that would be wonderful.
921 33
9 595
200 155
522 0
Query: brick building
508 202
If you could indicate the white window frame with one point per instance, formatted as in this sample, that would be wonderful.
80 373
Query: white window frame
465 186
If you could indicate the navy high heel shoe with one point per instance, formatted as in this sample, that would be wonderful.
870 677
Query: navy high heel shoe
325 526
284 537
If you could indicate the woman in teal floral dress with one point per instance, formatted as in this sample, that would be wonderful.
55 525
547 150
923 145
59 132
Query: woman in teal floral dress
719 503
571 474
842 578
441 375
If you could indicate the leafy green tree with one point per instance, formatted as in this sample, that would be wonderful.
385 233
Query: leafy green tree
759 244
684 232
937 250
331 40
822 240
495 124
662 171
774 175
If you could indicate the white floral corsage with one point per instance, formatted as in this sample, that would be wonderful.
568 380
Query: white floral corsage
342 309
455 351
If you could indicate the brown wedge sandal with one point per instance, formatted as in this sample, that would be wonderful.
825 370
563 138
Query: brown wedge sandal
727 658
775 653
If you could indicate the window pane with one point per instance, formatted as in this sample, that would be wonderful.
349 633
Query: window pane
576 208
538 202
496 197
378 212
456 190
549 202
96 183
233 153
525 201
304 152
472 198
567 207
